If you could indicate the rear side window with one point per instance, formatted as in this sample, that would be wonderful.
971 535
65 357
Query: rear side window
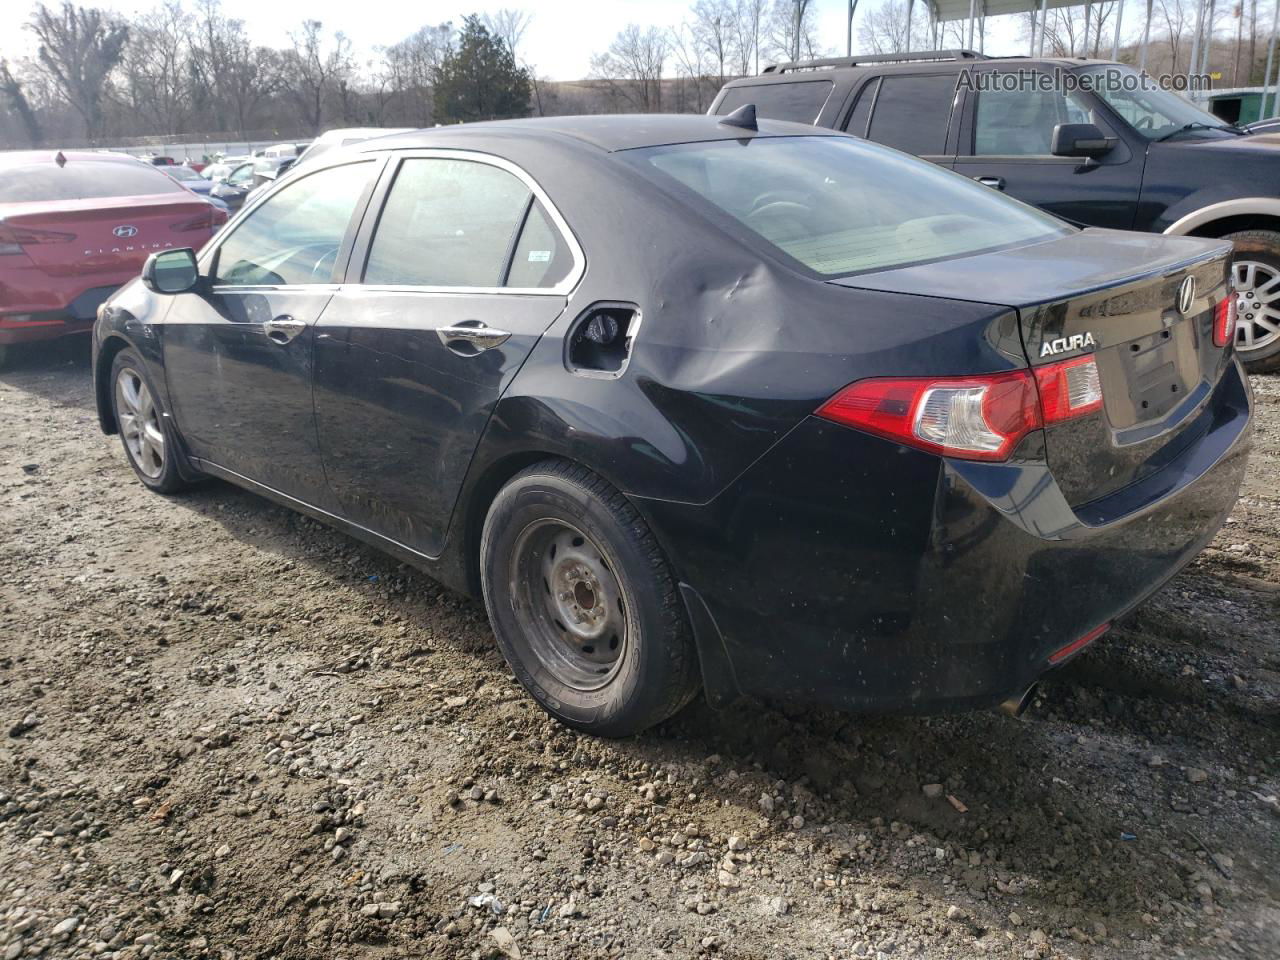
81 180
838 205
542 258
861 112
801 102
912 113
447 223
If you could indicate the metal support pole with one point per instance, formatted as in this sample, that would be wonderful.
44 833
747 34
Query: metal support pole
1146 38
1031 52
797 43
1115 42
1044 23
1194 65
1206 48
972 10
910 10
1088 10
1268 88
848 38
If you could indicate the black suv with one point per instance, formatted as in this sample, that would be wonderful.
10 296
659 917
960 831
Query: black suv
1092 141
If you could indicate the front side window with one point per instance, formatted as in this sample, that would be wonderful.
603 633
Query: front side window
840 206
448 223
293 237
912 113
1154 113
1011 123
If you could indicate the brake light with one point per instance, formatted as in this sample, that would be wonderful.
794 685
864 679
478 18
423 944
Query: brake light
14 237
1069 389
206 220
1224 321
973 418
969 418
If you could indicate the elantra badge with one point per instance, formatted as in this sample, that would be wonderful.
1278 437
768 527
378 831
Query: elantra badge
1187 296
1077 341
124 232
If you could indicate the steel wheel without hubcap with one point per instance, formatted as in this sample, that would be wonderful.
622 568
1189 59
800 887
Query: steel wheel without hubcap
140 423
1257 287
569 603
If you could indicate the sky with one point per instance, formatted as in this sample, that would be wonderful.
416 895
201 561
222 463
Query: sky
560 41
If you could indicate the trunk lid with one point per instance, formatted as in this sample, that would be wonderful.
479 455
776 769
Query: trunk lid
102 240
1115 296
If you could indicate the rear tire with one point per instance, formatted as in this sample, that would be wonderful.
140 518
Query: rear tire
1256 267
583 604
149 439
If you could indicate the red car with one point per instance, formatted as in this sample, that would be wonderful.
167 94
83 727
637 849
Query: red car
74 227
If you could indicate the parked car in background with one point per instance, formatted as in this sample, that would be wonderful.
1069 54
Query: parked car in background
159 160
233 189
1110 154
283 150
221 169
827 424
345 137
191 179
74 226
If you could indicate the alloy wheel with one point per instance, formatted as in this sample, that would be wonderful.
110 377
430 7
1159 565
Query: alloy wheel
1257 287
570 604
140 423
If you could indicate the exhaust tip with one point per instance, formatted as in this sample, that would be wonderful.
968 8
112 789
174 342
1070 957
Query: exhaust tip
1014 706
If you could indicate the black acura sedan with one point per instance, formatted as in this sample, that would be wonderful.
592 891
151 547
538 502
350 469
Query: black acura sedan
762 409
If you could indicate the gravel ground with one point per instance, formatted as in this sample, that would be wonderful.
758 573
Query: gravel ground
231 732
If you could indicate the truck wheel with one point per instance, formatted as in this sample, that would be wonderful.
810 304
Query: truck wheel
583 604
1256 273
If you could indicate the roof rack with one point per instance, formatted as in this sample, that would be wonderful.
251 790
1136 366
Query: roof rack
833 62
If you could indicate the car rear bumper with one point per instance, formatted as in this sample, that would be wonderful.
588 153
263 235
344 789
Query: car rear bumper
844 570
76 317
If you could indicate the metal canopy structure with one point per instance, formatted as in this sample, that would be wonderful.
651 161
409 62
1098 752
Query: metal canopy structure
942 11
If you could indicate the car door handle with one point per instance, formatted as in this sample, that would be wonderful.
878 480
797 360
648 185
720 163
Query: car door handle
282 329
995 183
470 338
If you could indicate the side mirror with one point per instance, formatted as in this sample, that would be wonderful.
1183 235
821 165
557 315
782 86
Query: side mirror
1080 140
171 271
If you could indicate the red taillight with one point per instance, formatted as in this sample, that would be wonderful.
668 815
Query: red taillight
13 237
1069 389
1224 321
970 418
973 418
1075 646
207 220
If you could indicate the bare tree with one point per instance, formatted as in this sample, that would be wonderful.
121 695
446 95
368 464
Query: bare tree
13 91
750 22
691 68
412 65
884 29
313 73
156 66
631 69
791 30
509 26
79 48
714 28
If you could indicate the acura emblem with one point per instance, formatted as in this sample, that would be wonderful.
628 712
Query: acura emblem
1186 296
127 231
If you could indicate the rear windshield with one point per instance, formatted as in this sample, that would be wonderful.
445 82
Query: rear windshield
840 206
81 180
800 101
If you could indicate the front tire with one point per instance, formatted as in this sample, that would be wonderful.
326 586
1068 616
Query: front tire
149 440
1256 275
583 604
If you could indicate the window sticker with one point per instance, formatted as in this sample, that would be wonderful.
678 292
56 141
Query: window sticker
539 256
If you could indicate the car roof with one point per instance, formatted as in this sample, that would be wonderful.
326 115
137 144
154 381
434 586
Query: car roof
609 133
914 63
15 157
